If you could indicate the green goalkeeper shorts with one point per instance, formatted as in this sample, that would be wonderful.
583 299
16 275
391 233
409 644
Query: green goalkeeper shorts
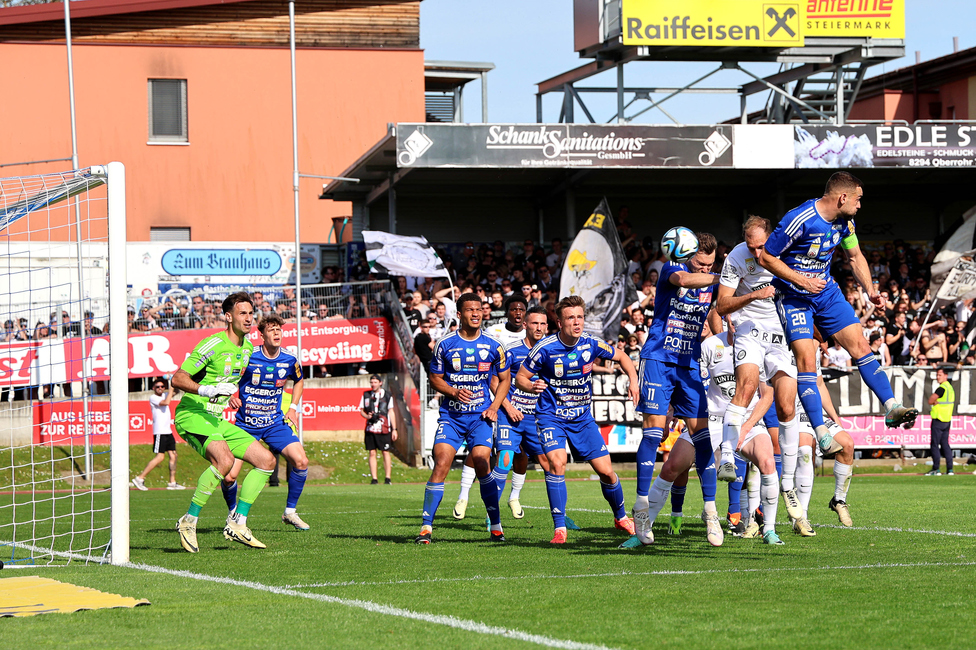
200 430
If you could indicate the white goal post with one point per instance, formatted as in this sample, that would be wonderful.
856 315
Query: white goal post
64 409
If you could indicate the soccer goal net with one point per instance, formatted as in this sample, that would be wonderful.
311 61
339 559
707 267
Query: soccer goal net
63 376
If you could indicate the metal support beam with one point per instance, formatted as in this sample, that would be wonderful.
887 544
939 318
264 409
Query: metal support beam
484 97
391 205
620 94
580 100
679 90
779 90
839 113
568 114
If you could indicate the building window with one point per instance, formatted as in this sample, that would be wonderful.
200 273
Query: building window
167 110
169 234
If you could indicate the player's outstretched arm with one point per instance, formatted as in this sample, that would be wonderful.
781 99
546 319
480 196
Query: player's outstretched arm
633 390
689 280
778 267
184 382
726 302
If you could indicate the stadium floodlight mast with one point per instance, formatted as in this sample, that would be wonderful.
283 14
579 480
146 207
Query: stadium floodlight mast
296 175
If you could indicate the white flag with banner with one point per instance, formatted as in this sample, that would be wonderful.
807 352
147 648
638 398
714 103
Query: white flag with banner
401 255
958 249
596 270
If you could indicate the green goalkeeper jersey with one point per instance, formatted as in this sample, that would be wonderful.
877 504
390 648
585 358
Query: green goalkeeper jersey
213 361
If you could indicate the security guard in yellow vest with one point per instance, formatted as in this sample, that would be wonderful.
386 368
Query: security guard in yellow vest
941 402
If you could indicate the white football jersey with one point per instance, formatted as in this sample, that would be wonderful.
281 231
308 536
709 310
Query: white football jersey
717 359
505 336
742 273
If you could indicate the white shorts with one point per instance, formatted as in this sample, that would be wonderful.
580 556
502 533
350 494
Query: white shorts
715 431
804 425
761 347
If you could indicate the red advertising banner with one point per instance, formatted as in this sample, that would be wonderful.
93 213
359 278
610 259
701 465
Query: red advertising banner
323 409
151 354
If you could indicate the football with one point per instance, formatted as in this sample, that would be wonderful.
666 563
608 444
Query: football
679 244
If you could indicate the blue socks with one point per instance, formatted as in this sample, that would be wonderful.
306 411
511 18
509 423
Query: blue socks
556 491
614 494
500 477
296 483
489 494
678 497
778 459
875 378
806 386
433 495
705 463
735 487
230 494
646 455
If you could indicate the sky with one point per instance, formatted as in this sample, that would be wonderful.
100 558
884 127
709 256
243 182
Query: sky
532 40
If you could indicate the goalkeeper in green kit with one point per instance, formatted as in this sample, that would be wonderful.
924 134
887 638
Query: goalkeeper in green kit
209 377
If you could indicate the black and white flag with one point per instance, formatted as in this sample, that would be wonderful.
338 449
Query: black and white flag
596 270
401 255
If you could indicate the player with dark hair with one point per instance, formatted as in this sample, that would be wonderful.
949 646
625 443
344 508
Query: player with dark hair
799 253
461 370
262 388
209 377
559 370
670 376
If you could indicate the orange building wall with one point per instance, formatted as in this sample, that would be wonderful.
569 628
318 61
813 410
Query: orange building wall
234 179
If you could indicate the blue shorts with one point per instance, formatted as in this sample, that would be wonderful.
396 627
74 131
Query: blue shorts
663 384
466 428
583 436
277 436
770 419
510 436
828 310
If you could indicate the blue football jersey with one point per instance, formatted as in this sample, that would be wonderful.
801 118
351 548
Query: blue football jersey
805 241
567 370
468 364
261 389
674 336
524 402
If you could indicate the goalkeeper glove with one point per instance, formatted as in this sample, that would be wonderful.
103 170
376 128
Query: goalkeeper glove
221 389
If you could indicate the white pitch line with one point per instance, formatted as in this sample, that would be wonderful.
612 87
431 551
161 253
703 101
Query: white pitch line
627 574
882 529
376 608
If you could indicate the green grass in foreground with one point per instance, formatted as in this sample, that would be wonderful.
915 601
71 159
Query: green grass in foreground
904 577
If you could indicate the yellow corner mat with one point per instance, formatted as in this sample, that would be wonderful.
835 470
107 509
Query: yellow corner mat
32 595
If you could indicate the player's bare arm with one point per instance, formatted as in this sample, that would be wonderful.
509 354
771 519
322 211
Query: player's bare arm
633 388
727 303
504 383
296 397
523 381
441 386
689 280
513 413
778 267
862 273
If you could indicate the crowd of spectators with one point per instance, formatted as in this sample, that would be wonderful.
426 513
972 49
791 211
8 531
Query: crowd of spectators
898 333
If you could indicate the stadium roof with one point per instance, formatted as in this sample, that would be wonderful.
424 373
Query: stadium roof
94 8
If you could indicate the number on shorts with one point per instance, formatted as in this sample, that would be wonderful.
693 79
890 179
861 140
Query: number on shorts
799 318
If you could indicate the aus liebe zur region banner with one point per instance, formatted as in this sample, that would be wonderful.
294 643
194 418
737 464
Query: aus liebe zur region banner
53 361
323 409
562 145
885 145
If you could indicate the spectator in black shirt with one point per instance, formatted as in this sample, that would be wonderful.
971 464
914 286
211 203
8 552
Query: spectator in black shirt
545 280
896 338
423 345
412 314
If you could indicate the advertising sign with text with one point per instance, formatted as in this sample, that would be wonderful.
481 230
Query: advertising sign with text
932 146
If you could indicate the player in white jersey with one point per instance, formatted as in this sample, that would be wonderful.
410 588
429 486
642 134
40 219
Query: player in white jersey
745 294
843 460
754 442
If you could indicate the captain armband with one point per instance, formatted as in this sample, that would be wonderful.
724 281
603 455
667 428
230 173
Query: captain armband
849 242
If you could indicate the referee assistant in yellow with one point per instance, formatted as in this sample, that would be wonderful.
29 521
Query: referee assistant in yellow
941 402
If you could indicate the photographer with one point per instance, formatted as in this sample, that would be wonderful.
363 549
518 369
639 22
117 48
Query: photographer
376 408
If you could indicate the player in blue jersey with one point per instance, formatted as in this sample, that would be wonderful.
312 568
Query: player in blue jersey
259 413
670 375
461 370
798 253
563 364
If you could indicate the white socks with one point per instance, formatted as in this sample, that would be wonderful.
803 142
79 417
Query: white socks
769 490
467 480
752 487
657 497
518 480
789 440
842 480
804 477
735 416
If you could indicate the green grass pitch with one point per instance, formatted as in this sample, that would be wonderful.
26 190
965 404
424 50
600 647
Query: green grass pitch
905 576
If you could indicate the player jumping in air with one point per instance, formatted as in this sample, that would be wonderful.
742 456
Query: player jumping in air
670 375
563 364
209 377
461 370
798 253
259 413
